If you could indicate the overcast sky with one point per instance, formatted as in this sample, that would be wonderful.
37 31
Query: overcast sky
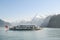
15 10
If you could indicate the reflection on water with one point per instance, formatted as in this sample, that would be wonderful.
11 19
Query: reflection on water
44 34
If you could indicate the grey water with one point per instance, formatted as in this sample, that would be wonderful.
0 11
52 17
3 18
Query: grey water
44 34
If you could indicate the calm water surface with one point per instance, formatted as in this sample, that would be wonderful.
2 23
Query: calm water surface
44 34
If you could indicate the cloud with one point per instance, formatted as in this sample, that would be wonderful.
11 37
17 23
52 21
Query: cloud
38 16
41 16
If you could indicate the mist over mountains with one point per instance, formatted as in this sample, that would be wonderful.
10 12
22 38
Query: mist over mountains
36 20
51 21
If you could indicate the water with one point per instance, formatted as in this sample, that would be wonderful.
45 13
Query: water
44 34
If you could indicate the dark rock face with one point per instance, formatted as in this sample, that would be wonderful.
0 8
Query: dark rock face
46 21
54 21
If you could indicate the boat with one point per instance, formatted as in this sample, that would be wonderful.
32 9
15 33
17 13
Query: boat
25 27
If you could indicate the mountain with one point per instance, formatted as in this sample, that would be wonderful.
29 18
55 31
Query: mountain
3 23
54 21
37 20
46 21
51 21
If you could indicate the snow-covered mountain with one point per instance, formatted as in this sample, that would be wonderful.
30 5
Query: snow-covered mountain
37 20
42 21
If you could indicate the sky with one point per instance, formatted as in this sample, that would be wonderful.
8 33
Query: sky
16 10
